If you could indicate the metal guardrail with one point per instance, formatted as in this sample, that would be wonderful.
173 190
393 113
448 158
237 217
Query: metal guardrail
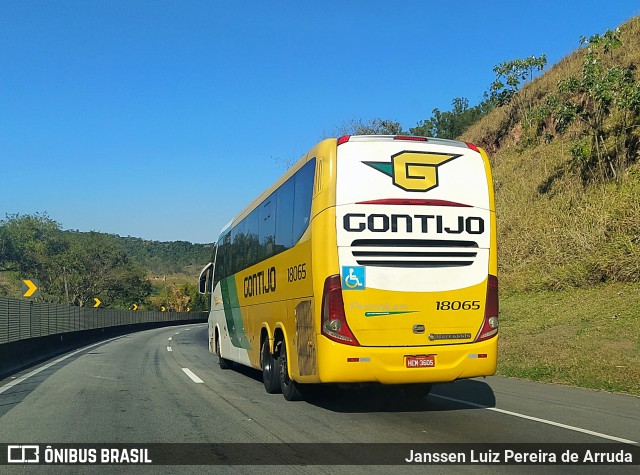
23 319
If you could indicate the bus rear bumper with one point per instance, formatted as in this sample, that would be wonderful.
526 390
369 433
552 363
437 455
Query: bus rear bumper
338 363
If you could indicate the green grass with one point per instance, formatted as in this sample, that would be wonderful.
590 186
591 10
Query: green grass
580 337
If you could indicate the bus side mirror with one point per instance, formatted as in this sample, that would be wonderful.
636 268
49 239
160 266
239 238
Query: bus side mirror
205 275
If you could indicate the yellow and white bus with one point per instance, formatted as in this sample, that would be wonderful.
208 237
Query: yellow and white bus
372 260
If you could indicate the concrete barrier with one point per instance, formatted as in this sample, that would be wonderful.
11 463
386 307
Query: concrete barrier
22 354
32 332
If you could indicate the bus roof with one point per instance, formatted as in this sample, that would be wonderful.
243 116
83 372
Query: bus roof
430 140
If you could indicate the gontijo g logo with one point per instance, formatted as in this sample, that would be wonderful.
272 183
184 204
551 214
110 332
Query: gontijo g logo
414 171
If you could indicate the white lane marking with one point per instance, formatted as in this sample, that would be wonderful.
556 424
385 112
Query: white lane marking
537 419
8 386
169 338
176 333
169 348
193 377
188 329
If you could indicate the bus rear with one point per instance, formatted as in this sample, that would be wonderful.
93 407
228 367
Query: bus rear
415 300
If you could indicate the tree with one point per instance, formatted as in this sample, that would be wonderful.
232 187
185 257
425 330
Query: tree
452 124
511 74
98 266
373 127
606 99
94 264
29 246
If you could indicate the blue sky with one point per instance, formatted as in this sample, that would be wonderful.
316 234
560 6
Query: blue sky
162 119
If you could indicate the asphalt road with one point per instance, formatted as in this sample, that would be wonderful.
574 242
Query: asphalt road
163 386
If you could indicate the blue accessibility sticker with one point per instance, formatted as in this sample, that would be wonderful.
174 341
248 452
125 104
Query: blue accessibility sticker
354 278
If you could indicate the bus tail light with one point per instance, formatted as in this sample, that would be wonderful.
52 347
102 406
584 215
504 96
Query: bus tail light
473 147
410 137
490 324
413 201
334 320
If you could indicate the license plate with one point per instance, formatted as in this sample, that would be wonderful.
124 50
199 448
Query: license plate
420 361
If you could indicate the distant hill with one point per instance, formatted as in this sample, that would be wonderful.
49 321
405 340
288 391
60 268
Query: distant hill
74 267
566 169
176 257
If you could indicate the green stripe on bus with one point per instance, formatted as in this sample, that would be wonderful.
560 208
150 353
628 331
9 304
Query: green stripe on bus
384 314
232 313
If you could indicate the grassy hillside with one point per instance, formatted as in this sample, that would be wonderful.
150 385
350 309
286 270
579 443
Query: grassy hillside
556 229
581 337
569 241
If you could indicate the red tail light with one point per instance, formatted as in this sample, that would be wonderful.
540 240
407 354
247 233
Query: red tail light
473 147
334 321
343 139
410 137
490 324
413 201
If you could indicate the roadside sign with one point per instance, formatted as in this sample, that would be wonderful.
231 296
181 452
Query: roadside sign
30 288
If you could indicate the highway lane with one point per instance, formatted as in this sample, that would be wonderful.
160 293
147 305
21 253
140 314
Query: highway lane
135 389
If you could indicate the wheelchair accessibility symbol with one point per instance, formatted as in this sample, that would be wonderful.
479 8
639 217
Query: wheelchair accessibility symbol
353 277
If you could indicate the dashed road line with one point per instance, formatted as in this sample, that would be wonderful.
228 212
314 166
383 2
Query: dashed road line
193 377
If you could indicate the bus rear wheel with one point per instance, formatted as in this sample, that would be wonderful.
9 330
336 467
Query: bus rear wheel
223 362
270 369
290 389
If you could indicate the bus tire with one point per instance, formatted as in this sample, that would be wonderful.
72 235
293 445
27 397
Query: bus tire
270 369
223 362
290 389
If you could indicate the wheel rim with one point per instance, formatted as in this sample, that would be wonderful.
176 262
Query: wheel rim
267 363
284 370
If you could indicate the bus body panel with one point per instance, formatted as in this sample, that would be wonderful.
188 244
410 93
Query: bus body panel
387 365
399 319
257 298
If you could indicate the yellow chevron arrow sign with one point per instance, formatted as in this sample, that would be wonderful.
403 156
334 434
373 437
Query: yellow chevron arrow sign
97 302
29 287
135 307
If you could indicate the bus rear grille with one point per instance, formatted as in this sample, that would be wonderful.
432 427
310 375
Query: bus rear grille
414 253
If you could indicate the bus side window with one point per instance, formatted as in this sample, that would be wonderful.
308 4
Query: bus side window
252 237
284 216
225 261
267 228
238 242
302 201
